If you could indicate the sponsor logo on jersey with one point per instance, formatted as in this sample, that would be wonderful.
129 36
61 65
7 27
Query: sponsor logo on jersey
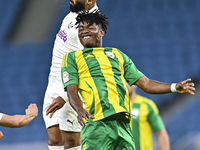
65 77
135 113
63 35
110 54
89 55
70 25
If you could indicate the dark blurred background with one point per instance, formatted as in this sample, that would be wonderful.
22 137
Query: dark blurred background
161 37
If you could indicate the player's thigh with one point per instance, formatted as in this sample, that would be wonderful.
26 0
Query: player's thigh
51 93
50 121
54 135
73 137
97 135
125 140
125 143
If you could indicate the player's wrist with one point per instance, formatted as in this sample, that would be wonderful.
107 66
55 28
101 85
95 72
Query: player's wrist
173 87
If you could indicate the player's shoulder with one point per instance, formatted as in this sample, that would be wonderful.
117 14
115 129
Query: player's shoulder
114 50
69 54
143 99
69 20
70 17
74 53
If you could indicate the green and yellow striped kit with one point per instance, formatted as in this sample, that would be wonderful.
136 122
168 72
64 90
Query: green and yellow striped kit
146 120
100 74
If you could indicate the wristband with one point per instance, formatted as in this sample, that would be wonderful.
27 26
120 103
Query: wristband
173 87
64 96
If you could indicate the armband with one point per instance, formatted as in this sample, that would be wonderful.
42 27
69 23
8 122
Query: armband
173 87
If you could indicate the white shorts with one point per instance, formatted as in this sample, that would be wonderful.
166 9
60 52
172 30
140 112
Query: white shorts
66 117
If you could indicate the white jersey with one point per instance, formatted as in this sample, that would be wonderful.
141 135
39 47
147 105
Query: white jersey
66 41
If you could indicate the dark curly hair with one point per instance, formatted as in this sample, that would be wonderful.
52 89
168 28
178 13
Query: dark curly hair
93 17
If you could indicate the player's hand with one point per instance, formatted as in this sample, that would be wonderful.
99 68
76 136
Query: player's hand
1 135
32 110
185 87
55 105
84 114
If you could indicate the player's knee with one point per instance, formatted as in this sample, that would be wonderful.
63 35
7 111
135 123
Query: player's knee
54 136
55 142
68 143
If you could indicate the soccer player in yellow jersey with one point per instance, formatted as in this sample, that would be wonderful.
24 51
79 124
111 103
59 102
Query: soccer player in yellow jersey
99 75
145 119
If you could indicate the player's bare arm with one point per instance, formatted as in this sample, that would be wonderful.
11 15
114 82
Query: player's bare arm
55 105
77 104
156 87
18 121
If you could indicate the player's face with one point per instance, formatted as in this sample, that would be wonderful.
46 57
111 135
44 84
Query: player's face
90 35
77 5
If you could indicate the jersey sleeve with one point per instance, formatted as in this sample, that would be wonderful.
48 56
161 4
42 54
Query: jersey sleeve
69 71
154 118
1 115
131 73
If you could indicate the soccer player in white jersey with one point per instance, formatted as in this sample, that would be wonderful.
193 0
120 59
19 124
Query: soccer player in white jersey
62 126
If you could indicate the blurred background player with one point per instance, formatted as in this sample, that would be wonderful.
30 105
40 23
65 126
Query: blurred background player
62 126
146 119
18 121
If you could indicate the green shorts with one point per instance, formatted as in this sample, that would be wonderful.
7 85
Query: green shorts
111 133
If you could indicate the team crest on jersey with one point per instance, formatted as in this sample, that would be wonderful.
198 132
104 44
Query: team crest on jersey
110 54
65 77
70 25
135 113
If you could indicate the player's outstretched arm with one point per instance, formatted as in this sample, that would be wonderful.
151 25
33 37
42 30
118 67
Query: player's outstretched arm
18 121
77 104
156 87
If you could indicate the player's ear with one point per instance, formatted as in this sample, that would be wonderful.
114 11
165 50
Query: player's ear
91 1
101 32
